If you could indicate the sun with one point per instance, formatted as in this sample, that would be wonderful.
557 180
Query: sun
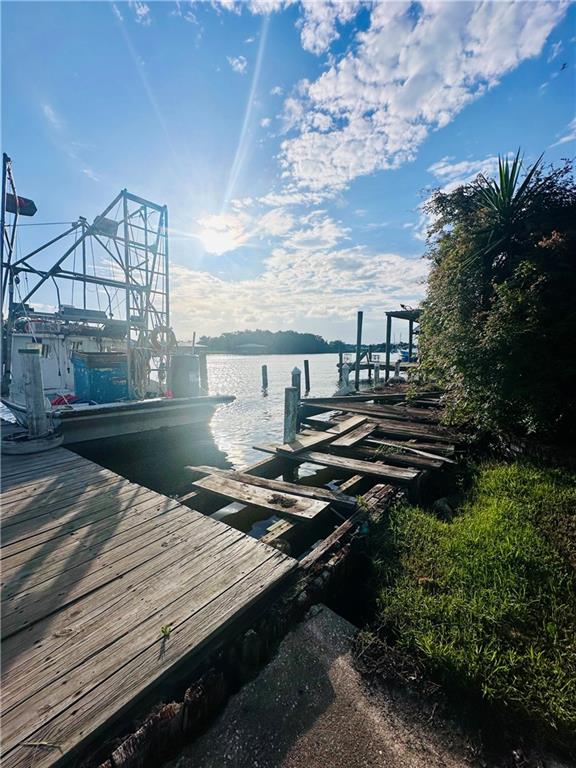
221 233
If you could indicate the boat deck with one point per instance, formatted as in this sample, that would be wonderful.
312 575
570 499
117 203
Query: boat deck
106 588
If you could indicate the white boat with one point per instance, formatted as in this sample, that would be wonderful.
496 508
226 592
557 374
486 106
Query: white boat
110 366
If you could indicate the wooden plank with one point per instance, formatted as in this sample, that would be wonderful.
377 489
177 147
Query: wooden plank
390 456
347 425
73 518
27 608
283 504
308 491
58 663
305 440
397 474
353 437
45 566
410 449
59 629
315 554
101 703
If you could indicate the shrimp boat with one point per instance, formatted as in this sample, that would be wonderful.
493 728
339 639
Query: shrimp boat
109 360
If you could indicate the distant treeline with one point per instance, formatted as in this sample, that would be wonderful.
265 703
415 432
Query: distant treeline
280 343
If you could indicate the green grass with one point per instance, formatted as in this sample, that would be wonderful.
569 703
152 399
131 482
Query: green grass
488 600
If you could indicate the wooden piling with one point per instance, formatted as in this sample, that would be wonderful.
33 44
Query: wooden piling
291 400
306 376
34 393
358 349
264 377
340 364
388 339
297 381
203 366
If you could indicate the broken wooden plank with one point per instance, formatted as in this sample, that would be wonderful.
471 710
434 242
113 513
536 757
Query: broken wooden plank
283 504
305 440
307 491
346 425
355 436
410 449
402 476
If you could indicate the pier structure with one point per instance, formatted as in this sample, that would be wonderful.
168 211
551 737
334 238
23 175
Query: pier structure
110 589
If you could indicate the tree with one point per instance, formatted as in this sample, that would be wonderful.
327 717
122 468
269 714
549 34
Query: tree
499 322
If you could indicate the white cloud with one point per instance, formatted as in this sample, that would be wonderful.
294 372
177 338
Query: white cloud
265 122
51 115
116 11
238 64
570 135
141 12
319 23
184 9
451 173
555 50
91 174
249 40
276 91
411 72
296 285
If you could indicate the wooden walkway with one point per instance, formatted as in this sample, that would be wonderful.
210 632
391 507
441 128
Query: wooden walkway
93 567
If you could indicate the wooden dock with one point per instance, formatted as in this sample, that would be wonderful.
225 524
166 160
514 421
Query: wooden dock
106 588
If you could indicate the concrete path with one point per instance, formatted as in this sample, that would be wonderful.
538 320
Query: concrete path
309 708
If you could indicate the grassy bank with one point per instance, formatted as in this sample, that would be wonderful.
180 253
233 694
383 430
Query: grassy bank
488 599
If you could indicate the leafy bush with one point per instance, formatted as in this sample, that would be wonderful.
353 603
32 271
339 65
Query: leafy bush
499 327
487 600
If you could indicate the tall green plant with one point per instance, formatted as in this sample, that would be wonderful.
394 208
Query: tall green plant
500 314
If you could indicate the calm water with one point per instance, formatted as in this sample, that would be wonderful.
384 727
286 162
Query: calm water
159 459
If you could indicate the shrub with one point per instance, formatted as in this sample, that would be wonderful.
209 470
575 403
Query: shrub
499 326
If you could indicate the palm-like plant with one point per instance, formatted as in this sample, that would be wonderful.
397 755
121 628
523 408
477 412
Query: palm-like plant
504 204
506 200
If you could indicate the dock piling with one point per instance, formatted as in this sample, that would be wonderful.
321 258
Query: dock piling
203 365
376 374
297 381
358 349
306 376
264 377
291 400
34 393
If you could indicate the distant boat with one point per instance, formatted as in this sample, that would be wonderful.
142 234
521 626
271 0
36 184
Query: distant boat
106 371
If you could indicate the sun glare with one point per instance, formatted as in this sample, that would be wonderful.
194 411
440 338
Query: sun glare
221 233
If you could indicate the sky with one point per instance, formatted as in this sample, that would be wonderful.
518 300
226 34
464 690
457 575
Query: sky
294 143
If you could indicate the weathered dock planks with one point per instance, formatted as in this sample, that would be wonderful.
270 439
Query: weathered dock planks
93 567
306 491
403 476
280 502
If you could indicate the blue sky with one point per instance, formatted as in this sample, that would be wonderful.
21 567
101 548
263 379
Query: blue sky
293 142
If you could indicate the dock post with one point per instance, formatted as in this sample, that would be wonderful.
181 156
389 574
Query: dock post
410 339
376 375
264 377
340 364
358 349
388 337
297 381
369 359
203 365
34 393
345 376
306 376
291 401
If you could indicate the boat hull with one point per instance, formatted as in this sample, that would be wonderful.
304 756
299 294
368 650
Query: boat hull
99 422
